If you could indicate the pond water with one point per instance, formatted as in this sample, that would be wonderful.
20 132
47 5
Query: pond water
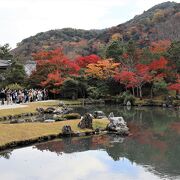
152 152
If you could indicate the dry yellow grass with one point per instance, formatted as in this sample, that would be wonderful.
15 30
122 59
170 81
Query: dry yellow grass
31 107
25 131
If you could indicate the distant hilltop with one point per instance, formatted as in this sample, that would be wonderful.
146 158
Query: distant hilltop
159 22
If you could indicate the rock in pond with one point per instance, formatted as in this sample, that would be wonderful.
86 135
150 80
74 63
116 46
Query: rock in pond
99 114
86 121
117 125
128 103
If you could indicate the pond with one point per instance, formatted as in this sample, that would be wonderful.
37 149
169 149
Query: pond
151 152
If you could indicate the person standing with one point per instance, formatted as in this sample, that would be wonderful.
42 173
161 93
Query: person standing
8 96
2 96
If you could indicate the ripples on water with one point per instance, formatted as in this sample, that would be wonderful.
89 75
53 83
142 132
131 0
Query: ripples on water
152 152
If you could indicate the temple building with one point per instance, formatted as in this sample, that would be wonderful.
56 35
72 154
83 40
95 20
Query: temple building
4 64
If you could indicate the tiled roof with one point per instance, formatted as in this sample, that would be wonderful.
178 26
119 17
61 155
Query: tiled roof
5 63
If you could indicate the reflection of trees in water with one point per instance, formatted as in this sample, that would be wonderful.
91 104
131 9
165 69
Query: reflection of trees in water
154 151
154 142
70 145
5 154
143 115
161 153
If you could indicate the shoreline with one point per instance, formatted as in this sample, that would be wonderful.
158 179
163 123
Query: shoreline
25 134
33 112
28 142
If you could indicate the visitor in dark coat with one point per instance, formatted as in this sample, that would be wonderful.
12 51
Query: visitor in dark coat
2 96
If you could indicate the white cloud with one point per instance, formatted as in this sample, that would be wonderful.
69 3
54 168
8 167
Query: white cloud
28 163
23 18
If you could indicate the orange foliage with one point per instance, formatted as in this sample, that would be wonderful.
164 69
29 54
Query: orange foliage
116 36
103 69
160 46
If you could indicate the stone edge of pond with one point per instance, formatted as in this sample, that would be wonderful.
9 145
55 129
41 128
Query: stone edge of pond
29 114
28 142
22 115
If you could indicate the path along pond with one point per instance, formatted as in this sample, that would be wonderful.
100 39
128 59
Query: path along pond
151 152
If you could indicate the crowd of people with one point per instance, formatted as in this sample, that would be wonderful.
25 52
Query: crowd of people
8 96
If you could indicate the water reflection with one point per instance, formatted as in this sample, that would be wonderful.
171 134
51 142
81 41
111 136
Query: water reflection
151 152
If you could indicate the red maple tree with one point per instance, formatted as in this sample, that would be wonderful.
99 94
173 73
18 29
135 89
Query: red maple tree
83 61
54 67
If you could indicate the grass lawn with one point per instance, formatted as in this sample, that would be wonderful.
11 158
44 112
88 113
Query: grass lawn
25 131
31 107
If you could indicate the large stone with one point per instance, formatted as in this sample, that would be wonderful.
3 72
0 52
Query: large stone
67 110
54 110
66 130
50 110
99 115
40 110
58 111
128 103
117 125
86 121
49 121
62 104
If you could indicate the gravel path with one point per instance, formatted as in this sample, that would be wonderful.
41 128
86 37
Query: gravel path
12 106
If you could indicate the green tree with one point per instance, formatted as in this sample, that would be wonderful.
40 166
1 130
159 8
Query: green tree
173 54
5 52
114 51
15 73
70 88
160 87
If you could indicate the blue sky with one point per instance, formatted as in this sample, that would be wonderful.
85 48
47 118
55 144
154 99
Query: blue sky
23 18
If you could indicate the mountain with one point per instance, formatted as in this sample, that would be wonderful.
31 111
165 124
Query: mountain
159 22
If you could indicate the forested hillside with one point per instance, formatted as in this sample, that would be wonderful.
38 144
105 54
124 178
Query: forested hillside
158 23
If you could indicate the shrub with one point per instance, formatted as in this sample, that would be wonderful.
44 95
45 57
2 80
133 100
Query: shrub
93 92
14 86
72 116
130 98
69 88
127 96
58 118
119 99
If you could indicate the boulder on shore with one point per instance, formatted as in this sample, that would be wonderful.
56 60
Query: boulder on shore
99 115
86 121
66 130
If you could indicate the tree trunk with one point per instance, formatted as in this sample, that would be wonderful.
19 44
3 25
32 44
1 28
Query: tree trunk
151 91
137 92
140 92
133 91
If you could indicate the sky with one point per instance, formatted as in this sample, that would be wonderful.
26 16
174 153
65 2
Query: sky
20 19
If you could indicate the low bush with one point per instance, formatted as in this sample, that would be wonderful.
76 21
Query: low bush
119 99
72 116
14 86
93 92
127 96
58 118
